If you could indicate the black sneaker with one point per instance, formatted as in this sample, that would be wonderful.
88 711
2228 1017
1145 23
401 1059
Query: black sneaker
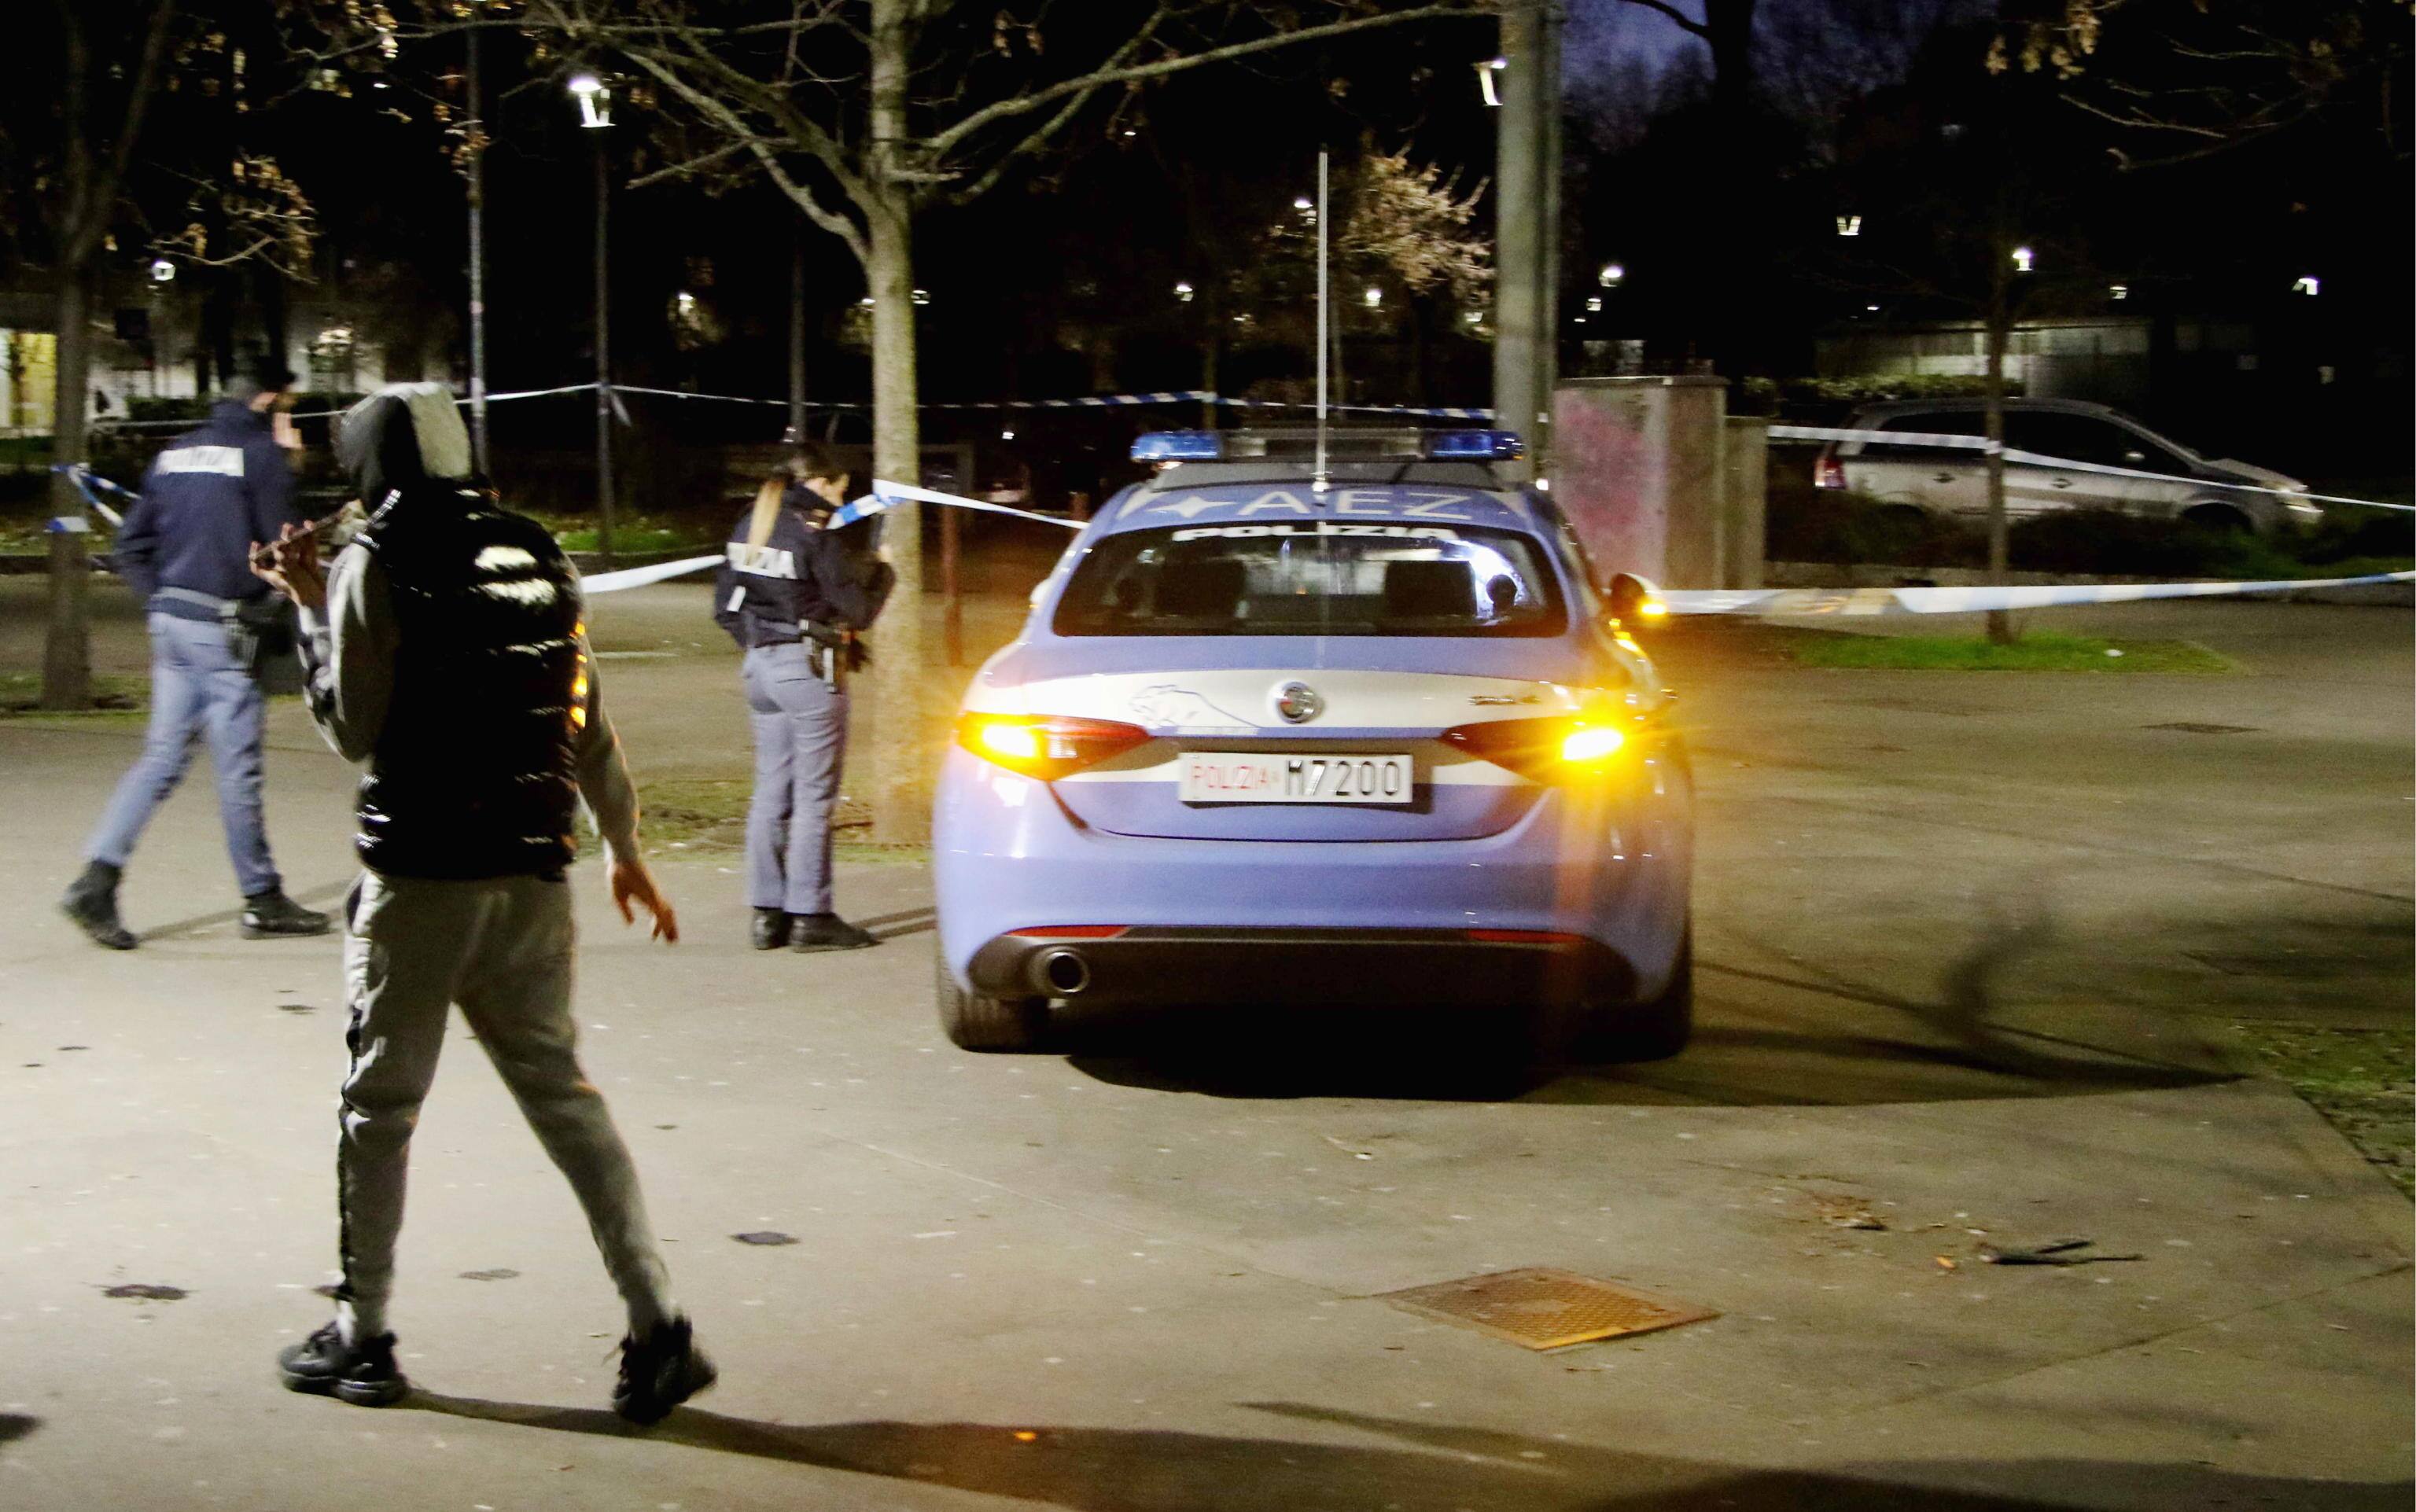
91 901
363 1375
826 932
659 1372
269 913
770 929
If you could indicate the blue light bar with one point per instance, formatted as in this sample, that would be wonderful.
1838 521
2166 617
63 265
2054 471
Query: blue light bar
1463 446
1178 446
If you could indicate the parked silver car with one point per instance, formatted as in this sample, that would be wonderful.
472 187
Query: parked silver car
1955 483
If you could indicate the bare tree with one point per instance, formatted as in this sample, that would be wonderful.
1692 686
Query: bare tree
2189 79
104 62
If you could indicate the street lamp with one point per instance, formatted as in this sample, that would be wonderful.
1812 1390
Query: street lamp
1611 276
1484 72
2023 259
1850 225
1375 297
1183 291
162 271
2308 285
595 111
595 100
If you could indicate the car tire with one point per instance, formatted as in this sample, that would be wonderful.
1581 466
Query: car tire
1660 1028
973 1022
2219 517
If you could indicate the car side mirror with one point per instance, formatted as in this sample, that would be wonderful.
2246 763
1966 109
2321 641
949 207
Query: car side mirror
1636 602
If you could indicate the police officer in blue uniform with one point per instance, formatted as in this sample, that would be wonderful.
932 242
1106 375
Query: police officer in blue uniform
185 550
793 595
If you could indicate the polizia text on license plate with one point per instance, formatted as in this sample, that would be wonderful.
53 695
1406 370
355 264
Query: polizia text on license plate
1255 777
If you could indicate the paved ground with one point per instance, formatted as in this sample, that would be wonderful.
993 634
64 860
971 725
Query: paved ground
1963 939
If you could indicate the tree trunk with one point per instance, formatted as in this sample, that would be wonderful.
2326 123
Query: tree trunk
66 648
902 691
1727 28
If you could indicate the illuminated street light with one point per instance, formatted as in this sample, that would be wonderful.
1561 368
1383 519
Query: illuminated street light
1484 72
2023 257
1007 435
162 271
1850 225
1184 293
2308 285
2119 291
1611 276
1594 304
1375 297
922 296
595 100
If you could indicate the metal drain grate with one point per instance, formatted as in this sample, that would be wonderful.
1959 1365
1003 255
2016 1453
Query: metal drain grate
2193 728
1546 1309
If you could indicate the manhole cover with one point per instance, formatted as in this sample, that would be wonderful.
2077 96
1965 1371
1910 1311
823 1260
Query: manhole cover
1546 1309
2193 728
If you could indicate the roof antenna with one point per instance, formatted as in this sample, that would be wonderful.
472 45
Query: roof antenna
1325 305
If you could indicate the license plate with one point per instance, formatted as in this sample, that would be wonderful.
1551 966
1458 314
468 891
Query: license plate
1255 777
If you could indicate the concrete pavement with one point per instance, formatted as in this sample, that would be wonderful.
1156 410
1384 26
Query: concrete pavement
1964 938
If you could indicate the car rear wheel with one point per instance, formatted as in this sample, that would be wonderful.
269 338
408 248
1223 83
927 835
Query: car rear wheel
1660 1028
973 1022
2220 518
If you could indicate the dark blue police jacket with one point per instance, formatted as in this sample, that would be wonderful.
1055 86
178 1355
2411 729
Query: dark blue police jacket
214 492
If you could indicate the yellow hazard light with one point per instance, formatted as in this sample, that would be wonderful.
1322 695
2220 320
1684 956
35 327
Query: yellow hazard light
1591 742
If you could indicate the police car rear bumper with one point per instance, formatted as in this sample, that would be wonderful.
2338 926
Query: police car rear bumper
1304 967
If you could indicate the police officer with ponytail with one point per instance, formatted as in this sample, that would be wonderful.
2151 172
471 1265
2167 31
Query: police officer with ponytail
795 594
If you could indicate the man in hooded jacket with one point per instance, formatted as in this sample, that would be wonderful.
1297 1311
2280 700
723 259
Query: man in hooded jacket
447 648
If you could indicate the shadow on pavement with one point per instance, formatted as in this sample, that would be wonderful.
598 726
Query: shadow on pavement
1095 1470
1762 1038
15 1426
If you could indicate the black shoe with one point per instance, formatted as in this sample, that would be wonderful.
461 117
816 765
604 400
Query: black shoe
826 932
659 1372
91 901
363 1374
273 913
770 929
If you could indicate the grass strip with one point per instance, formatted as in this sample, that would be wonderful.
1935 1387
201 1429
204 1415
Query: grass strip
2039 651
2359 1079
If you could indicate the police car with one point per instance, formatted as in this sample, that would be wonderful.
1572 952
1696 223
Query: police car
1374 740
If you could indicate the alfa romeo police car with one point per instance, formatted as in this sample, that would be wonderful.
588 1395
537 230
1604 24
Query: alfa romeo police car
1379 742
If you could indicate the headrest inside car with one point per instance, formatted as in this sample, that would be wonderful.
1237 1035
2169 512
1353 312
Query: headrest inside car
1429 591
1201 589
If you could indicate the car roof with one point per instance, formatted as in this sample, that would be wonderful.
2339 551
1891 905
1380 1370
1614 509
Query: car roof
1266 492
1901 407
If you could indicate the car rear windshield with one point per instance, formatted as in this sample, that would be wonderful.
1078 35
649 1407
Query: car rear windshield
1329 578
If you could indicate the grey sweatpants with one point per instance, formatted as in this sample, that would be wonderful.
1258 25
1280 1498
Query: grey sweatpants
800 735
502 949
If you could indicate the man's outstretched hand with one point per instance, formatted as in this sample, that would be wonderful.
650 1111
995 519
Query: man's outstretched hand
291 565
632 882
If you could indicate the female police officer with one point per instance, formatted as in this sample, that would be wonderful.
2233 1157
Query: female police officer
792 595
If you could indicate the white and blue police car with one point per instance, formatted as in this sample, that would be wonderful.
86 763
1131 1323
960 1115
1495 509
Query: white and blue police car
1372 740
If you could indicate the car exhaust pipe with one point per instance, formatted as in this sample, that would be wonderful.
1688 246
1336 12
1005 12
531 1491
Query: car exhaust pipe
1060 973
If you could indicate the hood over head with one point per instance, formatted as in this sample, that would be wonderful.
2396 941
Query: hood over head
401 435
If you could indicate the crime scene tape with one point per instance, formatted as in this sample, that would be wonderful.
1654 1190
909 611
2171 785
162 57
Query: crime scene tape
885 493
2061 464
1851 602
86 479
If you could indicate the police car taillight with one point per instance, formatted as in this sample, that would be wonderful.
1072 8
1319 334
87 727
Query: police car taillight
1549 750
1828 474
1046 746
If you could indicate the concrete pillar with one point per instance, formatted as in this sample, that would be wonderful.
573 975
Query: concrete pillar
1745 498
1638 470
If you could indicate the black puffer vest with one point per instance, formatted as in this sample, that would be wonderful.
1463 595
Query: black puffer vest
475 773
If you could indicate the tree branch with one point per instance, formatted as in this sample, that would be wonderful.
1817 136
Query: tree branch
1098 79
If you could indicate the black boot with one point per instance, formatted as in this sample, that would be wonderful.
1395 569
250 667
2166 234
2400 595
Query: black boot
91 901
363 1374
273 913
826 932
659 1372
769 930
